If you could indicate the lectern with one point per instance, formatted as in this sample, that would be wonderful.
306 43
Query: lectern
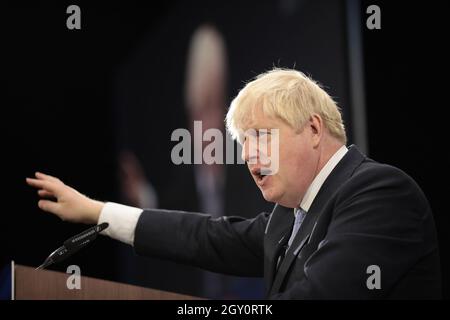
31 284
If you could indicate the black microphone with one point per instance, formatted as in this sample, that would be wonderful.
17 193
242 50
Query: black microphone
73 244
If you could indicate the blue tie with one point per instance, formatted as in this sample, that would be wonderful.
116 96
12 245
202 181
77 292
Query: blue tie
300 215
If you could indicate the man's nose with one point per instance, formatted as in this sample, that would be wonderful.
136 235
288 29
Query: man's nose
249 152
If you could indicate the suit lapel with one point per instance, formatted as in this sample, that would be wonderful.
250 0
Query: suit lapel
339 174
280 224
297 245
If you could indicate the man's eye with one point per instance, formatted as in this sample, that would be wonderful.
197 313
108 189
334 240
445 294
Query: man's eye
263 132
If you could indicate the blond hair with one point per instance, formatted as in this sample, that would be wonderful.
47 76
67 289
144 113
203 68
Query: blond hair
288 95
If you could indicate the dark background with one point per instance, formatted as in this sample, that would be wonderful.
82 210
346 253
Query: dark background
74 99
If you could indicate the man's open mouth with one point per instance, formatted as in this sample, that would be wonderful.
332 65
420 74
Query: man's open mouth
261 175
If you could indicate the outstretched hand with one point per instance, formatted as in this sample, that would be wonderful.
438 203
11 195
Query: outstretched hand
68 203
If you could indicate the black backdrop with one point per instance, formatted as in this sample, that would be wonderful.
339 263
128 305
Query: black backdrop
64 88
406 102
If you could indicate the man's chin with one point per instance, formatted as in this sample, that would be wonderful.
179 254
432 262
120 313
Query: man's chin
270 196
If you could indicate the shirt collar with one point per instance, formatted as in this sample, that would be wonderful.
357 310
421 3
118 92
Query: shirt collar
318 181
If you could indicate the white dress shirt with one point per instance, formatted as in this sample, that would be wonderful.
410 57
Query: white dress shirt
318 181
123 219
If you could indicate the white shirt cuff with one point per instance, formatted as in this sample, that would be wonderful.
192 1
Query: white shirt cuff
122 221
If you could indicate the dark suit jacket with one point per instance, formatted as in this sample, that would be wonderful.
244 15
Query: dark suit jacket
365 213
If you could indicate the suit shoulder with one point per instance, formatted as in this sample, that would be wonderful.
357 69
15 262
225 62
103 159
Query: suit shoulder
372 171
374 177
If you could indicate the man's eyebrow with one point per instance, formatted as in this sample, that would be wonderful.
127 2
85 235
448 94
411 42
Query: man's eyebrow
258 131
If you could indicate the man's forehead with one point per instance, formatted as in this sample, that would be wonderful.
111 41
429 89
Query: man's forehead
257 119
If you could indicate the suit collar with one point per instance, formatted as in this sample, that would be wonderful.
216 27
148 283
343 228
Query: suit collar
340 173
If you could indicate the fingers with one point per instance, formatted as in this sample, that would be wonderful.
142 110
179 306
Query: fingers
42 184
49 206
44 181
45 194
43 176
34 182
49 187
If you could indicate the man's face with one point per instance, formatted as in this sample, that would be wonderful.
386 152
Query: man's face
298 159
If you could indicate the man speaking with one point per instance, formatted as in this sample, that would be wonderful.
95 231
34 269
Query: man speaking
343 226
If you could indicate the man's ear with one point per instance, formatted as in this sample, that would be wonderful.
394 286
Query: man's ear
316 126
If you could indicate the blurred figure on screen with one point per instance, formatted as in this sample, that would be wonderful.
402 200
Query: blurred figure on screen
205 101
205 88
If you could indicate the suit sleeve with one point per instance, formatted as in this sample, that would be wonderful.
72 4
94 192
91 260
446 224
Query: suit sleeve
380 218
229 245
